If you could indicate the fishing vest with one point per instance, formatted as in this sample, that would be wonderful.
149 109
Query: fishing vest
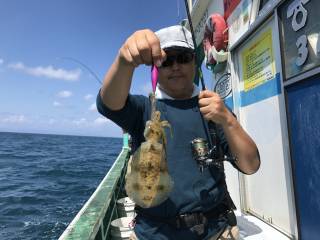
193 191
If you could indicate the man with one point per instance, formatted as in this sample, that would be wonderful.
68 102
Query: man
197 206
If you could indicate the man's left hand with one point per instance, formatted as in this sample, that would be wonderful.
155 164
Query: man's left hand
241 145
212 107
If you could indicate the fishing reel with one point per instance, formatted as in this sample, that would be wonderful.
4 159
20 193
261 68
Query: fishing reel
206 157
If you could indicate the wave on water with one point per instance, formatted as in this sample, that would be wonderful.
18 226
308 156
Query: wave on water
46 179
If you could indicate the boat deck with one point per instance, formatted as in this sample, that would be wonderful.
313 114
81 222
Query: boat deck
252 228
93 220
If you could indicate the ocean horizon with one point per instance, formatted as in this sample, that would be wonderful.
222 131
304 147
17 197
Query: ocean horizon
57 134
45 179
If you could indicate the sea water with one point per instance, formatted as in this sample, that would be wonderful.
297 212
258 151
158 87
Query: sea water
46 179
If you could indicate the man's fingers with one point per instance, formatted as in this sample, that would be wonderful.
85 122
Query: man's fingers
157 53
143 47
126 56
207 97
163 55
207 93
145 50
205 110
135 54
204 101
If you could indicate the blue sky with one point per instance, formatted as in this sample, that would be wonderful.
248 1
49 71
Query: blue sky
43 92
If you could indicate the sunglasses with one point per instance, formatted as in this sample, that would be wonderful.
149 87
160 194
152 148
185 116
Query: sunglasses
181 58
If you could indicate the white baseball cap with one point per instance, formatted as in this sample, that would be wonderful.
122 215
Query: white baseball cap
175 37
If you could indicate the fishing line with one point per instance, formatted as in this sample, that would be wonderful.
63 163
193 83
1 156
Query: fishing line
178 9
83 65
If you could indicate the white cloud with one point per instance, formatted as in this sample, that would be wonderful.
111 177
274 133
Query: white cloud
85 123
48 71
93 107
56 104
52 121
14 119
1 61
88 96
80 122
101 121
16 66
85 126
64 94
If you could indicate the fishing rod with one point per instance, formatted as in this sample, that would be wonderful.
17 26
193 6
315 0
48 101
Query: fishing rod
195 45
204 156
83 65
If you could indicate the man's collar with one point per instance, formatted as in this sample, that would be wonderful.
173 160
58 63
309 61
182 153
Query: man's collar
162 95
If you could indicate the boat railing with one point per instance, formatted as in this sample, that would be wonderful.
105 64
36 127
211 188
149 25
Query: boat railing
94 219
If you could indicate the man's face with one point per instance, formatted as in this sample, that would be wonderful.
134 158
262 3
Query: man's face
177 74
